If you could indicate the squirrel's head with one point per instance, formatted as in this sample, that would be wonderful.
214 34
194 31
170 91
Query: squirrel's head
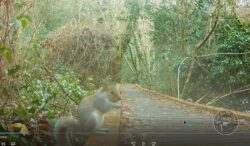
113 91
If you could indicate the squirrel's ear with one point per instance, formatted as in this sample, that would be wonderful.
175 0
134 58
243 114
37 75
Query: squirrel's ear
118 86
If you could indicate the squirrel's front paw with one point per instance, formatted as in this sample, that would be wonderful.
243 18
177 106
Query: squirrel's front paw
117 105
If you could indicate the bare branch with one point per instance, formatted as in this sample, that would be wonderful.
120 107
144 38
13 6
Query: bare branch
206 55
129 65
61 87
216 11
190 70
220 97
229 53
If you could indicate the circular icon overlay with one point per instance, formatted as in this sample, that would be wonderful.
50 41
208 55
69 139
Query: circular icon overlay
226 122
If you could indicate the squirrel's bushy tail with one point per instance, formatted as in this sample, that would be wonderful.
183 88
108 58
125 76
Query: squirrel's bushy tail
67 132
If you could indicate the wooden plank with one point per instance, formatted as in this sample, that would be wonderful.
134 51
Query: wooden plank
149 118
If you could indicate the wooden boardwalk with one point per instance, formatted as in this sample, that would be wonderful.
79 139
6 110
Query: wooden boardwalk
149 119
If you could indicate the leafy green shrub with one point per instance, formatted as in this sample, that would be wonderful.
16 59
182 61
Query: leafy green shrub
227 71
231 70
46 92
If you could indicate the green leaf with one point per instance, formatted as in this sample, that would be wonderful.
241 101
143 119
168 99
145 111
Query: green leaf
2 26
20 17
12 70
21 111
8 55
24 17
32 110
28 18
5 91
2 49
19 5
24 20
24 23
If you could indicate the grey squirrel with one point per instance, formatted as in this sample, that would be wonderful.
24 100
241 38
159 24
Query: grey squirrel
74 131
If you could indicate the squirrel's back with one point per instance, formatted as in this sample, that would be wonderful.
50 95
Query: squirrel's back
89 117
92 108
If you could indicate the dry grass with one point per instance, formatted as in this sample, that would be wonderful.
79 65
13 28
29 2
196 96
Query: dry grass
243 15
